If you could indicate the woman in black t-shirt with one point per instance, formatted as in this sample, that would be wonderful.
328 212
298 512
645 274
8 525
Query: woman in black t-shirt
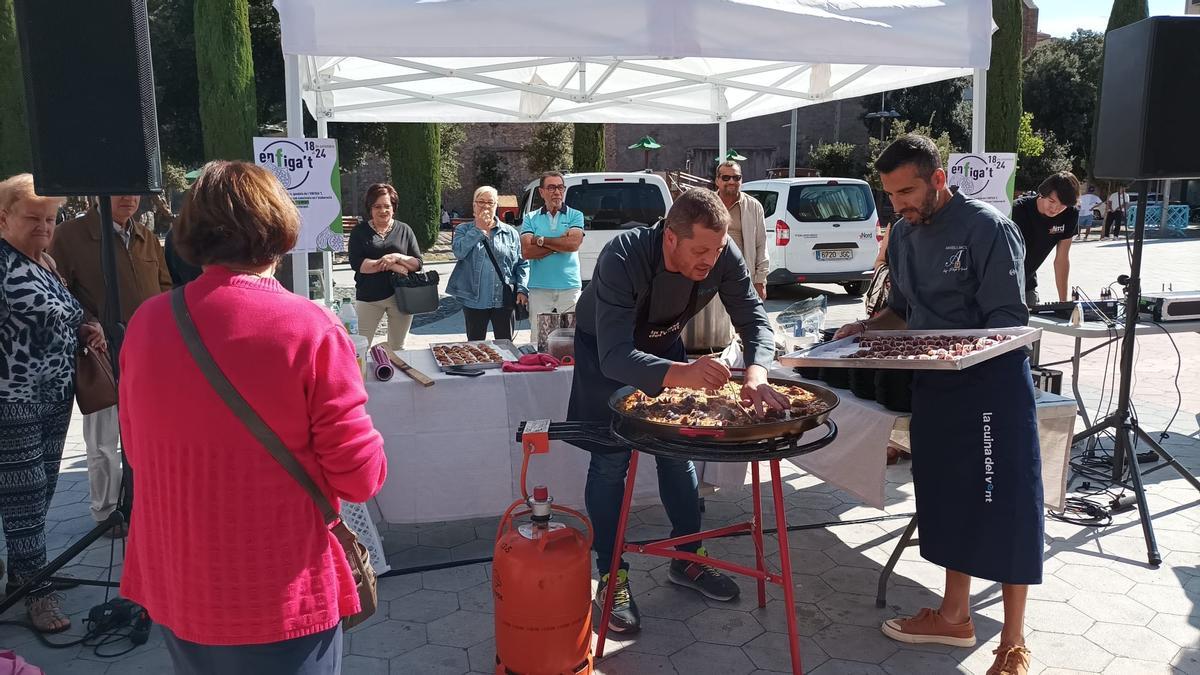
380 247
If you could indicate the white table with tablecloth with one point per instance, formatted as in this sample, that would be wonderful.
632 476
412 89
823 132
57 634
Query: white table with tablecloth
452 452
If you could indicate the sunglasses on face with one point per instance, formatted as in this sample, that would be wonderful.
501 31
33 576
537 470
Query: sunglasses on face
725 178
555 188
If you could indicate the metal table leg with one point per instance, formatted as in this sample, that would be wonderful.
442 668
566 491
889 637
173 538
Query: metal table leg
905 541
1076 358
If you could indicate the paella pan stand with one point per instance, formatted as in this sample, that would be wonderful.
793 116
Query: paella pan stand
626 433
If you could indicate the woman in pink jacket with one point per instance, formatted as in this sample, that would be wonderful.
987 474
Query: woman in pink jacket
226 550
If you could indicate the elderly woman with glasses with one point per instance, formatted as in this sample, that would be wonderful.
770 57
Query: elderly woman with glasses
490 277
41 326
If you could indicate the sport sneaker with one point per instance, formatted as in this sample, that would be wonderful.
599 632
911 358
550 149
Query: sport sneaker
625 617
704 578
928 627
1010 660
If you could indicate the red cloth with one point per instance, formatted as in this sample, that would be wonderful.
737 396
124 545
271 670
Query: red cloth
531 363
225 548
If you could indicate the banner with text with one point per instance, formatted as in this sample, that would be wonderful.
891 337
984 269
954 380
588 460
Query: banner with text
309 171
988 177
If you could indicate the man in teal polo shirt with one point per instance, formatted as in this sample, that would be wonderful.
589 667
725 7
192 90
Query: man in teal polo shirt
550 239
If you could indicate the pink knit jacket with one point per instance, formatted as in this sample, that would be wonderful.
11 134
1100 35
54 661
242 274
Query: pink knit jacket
225 548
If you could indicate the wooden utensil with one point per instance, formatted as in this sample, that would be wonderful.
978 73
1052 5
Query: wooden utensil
408 370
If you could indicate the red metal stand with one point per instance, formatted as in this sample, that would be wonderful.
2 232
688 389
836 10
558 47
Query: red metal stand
665 549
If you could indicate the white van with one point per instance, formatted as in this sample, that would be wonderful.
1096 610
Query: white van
611 203
819 230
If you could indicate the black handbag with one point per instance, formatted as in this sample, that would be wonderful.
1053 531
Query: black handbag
510 292
416 292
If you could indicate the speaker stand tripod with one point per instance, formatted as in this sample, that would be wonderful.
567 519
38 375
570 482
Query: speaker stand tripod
114 334
1124 425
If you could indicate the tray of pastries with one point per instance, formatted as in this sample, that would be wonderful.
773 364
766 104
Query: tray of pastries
479 355
914 350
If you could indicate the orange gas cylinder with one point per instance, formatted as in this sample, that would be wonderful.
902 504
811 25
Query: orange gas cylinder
541 585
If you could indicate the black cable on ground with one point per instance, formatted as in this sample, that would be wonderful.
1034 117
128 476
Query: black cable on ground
110 622
791 528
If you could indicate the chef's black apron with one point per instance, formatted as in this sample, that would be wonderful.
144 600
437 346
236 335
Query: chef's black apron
591 389
976 466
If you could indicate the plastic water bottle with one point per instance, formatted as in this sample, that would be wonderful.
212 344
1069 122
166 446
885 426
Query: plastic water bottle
349 317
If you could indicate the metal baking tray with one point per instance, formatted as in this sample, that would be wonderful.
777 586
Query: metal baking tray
830 354
507 350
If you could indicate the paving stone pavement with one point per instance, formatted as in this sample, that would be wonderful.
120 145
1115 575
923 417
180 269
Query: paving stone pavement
1101 608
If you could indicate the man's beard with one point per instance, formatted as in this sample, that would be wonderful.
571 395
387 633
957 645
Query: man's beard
925 213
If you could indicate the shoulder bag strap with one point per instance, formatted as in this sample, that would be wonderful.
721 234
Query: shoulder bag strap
487 246
241 409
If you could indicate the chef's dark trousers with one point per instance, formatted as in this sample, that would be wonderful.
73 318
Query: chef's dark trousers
677 486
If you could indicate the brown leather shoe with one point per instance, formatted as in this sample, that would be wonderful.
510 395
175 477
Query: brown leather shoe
928 627
1010 660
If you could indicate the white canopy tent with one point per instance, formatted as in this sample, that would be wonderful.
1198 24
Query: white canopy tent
625 61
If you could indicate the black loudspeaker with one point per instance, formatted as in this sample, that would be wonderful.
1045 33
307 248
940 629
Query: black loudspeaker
89 94
1148 105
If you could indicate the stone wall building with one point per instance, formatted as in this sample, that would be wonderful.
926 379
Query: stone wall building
688 147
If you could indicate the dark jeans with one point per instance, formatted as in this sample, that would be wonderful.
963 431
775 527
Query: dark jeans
317 654
677 486
477 323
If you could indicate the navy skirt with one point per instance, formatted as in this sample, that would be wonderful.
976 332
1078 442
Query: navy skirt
977 470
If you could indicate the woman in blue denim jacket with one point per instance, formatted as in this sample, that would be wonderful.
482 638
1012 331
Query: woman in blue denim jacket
474 280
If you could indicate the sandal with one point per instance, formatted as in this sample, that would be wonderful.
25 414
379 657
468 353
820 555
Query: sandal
46 615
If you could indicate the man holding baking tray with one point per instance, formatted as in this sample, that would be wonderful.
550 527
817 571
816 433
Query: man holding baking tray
647 284
957 264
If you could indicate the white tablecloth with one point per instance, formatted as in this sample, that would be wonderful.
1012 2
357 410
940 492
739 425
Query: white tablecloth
452 452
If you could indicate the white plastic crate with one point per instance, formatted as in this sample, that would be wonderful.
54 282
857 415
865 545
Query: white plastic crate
358 518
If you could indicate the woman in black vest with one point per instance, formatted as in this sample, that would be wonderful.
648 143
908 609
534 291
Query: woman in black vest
379 247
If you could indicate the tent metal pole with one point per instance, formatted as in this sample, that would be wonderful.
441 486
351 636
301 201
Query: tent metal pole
722 106
326 256
295 129
722 141
979 112
792 146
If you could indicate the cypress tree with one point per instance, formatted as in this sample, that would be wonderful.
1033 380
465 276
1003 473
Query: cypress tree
225 73
14 131
1125 12
1004 78
589 147
414 151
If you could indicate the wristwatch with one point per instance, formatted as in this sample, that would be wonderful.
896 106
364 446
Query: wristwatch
541 241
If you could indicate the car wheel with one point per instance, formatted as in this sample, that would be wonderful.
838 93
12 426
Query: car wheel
855 288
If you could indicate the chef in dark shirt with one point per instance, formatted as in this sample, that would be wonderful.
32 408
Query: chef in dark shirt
957 263
1048 221
647 284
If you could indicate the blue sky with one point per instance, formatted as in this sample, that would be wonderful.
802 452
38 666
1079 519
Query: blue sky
1061 17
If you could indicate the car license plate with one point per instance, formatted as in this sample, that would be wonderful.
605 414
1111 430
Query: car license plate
836 254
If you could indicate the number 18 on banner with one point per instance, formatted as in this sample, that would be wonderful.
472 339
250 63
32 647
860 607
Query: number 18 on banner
988 177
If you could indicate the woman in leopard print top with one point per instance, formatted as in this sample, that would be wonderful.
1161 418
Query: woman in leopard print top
41 325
